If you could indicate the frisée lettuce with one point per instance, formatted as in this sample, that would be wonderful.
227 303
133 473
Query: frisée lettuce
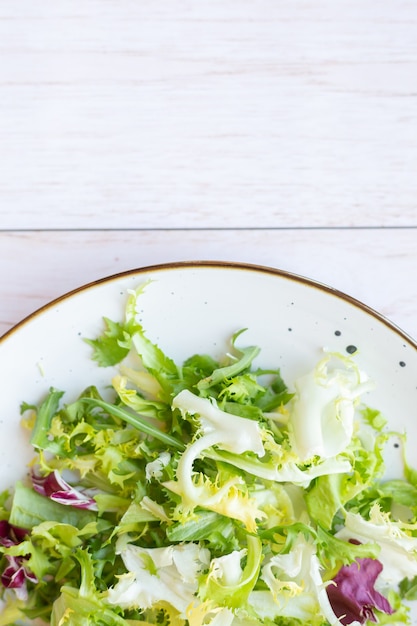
207 493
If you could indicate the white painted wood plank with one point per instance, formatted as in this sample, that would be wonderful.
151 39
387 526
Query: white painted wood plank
375 266
224 113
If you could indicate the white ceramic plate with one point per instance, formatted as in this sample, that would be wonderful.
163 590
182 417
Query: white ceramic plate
192 307
195 307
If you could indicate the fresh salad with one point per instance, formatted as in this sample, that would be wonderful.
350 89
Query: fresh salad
208 493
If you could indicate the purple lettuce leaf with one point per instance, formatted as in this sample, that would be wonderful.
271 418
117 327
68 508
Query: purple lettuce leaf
15 574
53 486
352 593
11 535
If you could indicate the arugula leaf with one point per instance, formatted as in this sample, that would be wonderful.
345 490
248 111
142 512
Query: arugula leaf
245 356
45 414
137 421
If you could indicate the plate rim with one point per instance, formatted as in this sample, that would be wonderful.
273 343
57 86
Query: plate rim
194 264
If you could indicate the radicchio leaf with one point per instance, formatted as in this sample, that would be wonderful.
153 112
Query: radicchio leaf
53 486
15 574
352 594
11 535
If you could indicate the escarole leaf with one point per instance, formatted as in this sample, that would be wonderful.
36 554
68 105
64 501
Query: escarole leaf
134 400
398 545
332 492
335 552
323 407
400 492
166 574
227 583
230 432
153 358
86 605
201 526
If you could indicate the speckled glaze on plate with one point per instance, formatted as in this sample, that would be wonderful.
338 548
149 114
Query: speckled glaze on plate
196 307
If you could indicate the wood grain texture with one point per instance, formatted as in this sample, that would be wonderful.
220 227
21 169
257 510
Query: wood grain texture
220 114
375 266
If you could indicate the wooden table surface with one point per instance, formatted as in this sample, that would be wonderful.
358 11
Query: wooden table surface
275 133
